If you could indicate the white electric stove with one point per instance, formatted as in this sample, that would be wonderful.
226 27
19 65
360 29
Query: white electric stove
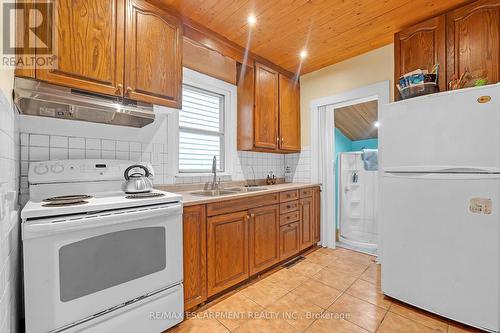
95 258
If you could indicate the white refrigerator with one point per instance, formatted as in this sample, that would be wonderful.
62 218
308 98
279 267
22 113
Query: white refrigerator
440 204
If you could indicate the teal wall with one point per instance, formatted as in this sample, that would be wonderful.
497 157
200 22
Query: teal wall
367 144
344 144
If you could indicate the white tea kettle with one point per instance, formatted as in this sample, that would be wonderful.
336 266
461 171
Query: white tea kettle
137 182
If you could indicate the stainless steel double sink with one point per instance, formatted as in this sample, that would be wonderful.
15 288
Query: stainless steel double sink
228 191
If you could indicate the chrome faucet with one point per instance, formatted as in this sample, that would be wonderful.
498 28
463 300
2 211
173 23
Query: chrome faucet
214 171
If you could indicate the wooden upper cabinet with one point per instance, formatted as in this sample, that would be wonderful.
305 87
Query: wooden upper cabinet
289 113
263 238
195 255
266 107
421 47
473 37
153 55
88 42
227 258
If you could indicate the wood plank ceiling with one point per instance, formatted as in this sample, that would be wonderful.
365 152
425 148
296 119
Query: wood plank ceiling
330 30
357 122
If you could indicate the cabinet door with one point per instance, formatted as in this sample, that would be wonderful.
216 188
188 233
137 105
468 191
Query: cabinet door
289 240
316 235
289 114
306 222
88 42
473 37
153 53
264 238
266 108
195 255
227 251
420 47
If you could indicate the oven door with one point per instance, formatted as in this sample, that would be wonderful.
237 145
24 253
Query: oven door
78 266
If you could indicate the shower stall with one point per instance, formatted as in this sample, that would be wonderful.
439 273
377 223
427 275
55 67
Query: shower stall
357 193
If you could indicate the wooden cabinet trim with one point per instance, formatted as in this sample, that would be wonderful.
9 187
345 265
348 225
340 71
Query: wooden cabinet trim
195 255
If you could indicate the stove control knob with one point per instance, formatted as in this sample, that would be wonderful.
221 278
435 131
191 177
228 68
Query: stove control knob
41 169
57 168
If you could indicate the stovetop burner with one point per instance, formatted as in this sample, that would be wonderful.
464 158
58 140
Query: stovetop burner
79 197
144 195
66 200
65 203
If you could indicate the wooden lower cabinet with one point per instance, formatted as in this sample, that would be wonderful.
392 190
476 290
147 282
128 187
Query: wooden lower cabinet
195 255
306 222
316 225
226 242
289 240
227 255
263 236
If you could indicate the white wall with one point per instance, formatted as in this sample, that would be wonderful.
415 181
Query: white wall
365 69
10 296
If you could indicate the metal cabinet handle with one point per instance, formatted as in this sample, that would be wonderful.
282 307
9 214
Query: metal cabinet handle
119 88
128 91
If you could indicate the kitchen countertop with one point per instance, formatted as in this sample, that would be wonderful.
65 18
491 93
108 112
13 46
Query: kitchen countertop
191 200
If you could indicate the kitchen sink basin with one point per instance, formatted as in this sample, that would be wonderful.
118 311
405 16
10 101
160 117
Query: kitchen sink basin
247 189
212 193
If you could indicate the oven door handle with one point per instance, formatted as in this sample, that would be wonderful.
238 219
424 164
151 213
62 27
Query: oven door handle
97 221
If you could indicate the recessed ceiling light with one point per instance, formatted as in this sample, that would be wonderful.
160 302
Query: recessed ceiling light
252 19
303 54
376 124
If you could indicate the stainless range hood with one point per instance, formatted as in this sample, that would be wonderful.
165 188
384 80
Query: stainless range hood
37 98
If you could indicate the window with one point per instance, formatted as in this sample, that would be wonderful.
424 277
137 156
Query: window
201 130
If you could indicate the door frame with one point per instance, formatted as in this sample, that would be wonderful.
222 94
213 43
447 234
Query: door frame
323 131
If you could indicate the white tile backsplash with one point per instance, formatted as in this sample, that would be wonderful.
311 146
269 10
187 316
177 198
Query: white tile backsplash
91 143
57 141
77 143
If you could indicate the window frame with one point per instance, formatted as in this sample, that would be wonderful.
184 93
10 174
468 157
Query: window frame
221 133
207 83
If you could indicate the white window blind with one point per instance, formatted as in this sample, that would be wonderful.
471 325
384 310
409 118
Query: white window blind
201 130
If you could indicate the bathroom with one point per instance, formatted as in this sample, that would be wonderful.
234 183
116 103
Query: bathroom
356 176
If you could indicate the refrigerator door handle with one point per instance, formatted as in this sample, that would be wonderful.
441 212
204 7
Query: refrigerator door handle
441 169
441 175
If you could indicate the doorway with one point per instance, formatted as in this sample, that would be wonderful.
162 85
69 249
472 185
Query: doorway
356 176
322 129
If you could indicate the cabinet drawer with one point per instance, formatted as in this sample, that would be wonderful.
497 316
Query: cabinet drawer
289 196
237 205
289 217
306 192
290 206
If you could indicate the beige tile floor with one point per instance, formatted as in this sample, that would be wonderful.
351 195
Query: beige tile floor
330 291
